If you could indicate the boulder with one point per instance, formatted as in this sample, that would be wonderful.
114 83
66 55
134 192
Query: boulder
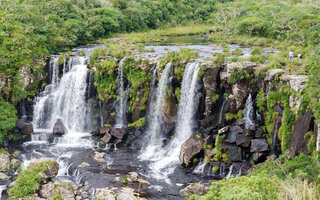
258 157
224 130
118 133
104 193
105 139
4 176
126 194
99 156
48 190
233 133
51 166
66 192
259 145
231 68
270 74
300 128
194 189
134 177
189 149
243 140
234 153
210 152
104 130
259 133
59 128
4 161
27 129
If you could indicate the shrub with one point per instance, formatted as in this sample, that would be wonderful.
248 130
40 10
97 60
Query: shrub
237 52
238 75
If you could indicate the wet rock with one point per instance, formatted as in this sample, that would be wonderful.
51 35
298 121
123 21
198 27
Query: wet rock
4 161
104 193
210 152
4 176
48 190
232 134
95 132
243 140
27 129
126 194
59 128
105 140
258 157
259 133
84 164
66 192
52 167
99 156
118 133
234 153
224 130
189 149
134 177
259 145
104 130
300 128
169 113
194 188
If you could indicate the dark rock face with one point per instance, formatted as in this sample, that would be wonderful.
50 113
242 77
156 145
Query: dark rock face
210 82
27 129
259 145
233 133
59 128
169 112
118 133
300 129
242 140
234 153
189 149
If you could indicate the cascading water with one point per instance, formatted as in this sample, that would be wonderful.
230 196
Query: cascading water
64 100
122 104
248 112
222 111
156 113
200 167
165 159
2 188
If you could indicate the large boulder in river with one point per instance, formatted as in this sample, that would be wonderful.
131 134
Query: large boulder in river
119 133
25 127
59 128
48 166
189 149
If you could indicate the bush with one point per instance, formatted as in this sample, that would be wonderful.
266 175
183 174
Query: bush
237 76
237 52
8 118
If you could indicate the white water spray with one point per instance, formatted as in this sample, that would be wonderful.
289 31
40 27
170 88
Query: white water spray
248 112
165 159
122 104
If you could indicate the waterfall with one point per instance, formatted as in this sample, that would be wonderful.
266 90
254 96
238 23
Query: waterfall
230 172
165 159
65 100
200 167
122 104
156 111
221 111
248 112
2 188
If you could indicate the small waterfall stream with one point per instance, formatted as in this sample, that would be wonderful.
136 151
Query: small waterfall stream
2 188
248 112
165 159
122 104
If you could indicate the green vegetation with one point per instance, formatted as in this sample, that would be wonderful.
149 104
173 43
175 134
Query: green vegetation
28 181
139 123
8 118
278 179
238 75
